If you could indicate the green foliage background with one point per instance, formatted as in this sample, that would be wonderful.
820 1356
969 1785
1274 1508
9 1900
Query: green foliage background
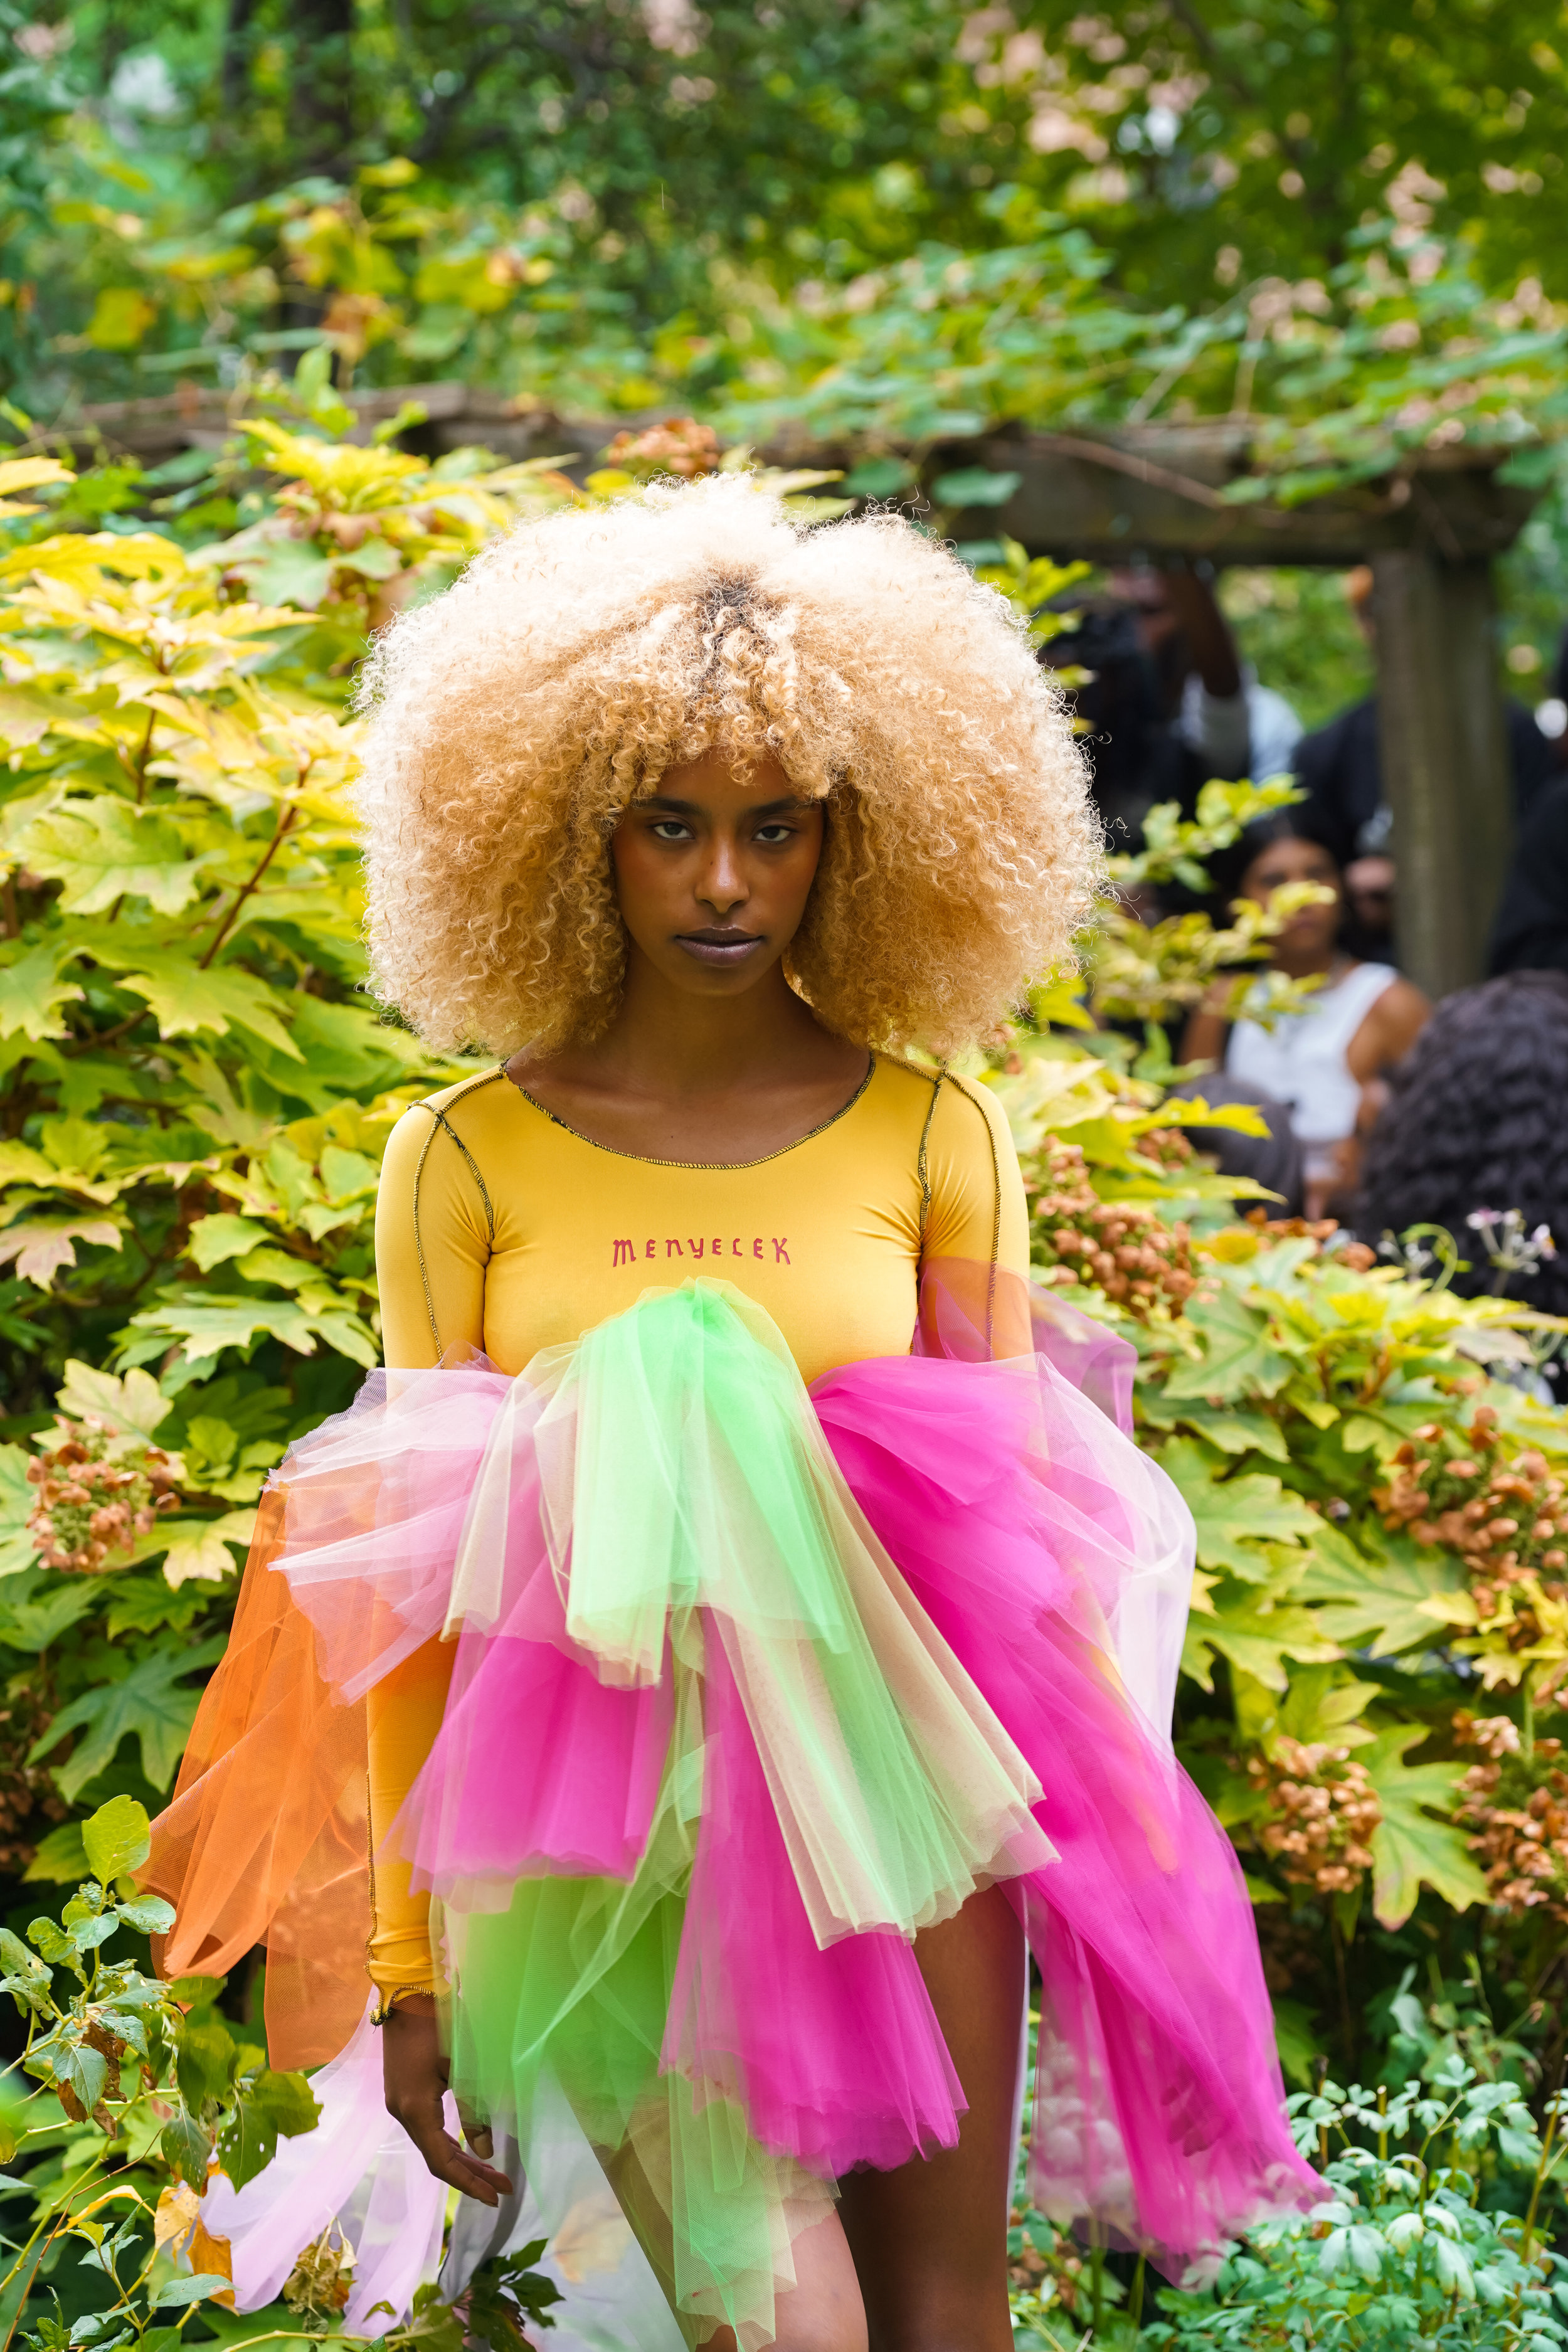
882 228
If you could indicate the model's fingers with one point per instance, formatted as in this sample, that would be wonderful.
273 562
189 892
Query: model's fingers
475 2129
466 2173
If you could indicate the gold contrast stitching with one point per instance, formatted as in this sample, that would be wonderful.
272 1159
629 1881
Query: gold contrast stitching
419 1239
996 1214
389 2000
920 1168
441 1120
699 1167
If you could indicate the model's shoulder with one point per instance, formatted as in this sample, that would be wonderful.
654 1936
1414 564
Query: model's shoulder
969 1106
461 1109
482 1097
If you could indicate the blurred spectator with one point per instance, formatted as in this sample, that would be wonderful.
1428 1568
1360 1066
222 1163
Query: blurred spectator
1340 766
1474 1124
1326 1063
1369 892
1531 933
1169 705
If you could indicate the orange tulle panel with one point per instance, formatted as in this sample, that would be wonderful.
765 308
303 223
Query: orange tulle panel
266 1838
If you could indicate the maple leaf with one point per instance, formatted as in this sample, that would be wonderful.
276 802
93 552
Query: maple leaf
1409 1847
1378 1604
104 849
1234 1516
185 1000
1238 1360
32 992
144 1704
202 1553
41 1246
1254 1631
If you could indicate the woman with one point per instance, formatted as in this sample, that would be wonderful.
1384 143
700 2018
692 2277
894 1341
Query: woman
1326 1062
725 1741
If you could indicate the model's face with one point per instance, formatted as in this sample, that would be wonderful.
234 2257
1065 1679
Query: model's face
713 871
1285 861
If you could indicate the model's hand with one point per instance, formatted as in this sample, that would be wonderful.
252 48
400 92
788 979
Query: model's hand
414 2074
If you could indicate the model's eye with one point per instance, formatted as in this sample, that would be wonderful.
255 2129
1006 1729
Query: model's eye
771 835
670 828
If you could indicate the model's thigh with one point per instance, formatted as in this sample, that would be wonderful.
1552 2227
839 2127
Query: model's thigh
822 2312
930 2241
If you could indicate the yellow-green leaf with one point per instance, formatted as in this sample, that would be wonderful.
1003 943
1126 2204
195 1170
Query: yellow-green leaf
216 1238
1409 1848
1235 1515
1378 1604
32 992
121 318
1255 1633
1238 1358
187 1000
135 1403
201 1551
104 849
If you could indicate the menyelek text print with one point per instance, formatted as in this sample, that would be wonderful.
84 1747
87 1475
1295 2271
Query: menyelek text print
627 1251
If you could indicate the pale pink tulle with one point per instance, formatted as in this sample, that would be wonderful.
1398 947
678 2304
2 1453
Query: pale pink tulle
357 2169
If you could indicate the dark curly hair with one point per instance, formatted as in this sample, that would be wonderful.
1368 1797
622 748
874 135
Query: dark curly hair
1475 1120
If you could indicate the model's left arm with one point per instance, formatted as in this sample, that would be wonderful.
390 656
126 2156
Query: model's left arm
978 1217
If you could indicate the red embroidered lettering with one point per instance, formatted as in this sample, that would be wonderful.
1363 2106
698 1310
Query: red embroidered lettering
673 1249
780 1250
696 1248
717 1247
757 1246
735 1249
625 1253
652 1250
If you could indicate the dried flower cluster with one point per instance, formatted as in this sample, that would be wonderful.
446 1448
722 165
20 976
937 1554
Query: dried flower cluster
1122 1247
318 2286
97 1492
27 1792
680 446
1357 1255
1322 1810
1507 1518
1518 1806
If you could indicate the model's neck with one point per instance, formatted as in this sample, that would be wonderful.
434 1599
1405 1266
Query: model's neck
668 1042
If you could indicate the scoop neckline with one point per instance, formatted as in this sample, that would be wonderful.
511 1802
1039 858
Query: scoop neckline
693 1167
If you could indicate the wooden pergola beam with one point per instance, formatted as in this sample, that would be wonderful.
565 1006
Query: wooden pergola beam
1429 531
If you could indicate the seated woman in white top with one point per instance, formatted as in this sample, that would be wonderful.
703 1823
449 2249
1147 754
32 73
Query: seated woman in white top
1326 1062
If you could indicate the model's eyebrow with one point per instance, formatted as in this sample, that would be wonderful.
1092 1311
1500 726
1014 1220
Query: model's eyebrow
671 807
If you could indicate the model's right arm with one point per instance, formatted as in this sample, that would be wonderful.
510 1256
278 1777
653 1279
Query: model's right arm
432 1243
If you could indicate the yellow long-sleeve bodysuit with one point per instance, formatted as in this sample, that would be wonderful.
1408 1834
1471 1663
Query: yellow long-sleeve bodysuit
500 1228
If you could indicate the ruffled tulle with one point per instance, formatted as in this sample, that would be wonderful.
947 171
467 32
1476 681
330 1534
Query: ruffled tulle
748 1687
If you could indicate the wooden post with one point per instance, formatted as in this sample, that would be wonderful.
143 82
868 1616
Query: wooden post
1445 759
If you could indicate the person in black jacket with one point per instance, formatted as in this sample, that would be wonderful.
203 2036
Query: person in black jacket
1340 766
1531 933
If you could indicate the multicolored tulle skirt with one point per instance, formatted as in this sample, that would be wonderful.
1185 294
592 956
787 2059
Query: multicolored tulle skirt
749 1685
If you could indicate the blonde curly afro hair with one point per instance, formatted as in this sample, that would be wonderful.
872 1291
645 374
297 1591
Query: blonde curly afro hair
515 717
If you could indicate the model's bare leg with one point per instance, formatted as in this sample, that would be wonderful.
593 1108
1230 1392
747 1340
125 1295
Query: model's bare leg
930 2241
822 2312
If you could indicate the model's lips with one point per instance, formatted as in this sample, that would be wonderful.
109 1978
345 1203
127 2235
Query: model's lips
719 949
